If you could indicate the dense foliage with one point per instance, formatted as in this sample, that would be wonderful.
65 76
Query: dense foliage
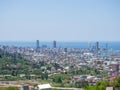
103 84
9 88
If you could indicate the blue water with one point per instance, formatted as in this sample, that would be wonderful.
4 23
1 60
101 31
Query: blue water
111 45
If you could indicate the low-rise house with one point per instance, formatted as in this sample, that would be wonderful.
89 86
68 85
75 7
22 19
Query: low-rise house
44 87
90 78
22 75
76 78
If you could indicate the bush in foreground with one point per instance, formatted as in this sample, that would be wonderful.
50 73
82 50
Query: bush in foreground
9 88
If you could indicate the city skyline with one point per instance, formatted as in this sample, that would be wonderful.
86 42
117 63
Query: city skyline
60 20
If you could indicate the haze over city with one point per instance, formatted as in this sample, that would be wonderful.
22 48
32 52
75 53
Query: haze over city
61 20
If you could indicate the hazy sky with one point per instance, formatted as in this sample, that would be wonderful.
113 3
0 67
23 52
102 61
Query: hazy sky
60 20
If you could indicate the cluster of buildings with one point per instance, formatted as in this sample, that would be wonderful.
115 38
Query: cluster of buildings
72 59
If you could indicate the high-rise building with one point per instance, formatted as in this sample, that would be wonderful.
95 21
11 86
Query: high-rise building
37 44
97 46
54 44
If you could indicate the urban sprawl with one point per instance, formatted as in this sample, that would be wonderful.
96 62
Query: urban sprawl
57 67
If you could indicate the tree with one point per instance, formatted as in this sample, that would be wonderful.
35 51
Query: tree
44 76
57 79
11 88
99 86
116 82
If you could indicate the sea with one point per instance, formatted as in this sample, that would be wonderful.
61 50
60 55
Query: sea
109 45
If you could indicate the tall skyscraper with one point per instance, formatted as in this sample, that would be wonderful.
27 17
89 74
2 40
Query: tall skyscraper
37 44
54 44
97 46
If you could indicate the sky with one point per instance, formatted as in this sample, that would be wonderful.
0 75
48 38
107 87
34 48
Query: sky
60 20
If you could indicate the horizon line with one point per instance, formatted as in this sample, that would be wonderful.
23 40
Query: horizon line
58 41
